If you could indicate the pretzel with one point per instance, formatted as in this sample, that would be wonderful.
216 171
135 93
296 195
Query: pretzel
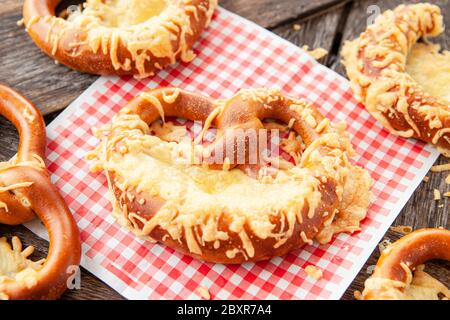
375 64
49 280
392 278
175 194
26 191
133 37
31 127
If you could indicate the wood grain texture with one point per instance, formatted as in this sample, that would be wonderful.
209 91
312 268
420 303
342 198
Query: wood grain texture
273 13
315 32
324 23
24 67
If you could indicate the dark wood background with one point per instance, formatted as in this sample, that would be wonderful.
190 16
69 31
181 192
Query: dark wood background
323 23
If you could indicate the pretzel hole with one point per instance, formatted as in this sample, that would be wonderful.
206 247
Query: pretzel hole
430 281
66 7
11 147
260 153
429 66
113 13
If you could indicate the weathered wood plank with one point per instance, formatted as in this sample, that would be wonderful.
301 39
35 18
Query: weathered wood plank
272 13
24 67
421 210
314 32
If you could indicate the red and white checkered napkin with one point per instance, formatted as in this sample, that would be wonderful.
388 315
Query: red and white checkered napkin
232 54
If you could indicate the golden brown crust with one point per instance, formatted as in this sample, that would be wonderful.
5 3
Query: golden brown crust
31 127
264 248
375 64
89 46
63 257
229 231
392 274
26 191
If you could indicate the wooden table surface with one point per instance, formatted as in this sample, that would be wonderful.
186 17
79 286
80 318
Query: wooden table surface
323 23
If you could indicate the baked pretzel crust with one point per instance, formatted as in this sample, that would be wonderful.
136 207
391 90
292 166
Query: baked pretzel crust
31 127
26 191
42 197
322 195
392 274
88 45
375 64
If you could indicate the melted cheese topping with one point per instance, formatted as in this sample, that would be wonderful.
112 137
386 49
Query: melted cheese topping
37 163
420 286
15 265
156 167
292 145
196 197
124 13
169 132
430 68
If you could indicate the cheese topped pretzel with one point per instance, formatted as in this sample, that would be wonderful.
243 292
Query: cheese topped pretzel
26 191
31 151
376 67
207 201
392 277
22 278
121 37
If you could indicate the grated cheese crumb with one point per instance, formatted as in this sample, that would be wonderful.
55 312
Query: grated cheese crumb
16 186
316 53
437 194
204 293
402 229
296 27
313 272
441 168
